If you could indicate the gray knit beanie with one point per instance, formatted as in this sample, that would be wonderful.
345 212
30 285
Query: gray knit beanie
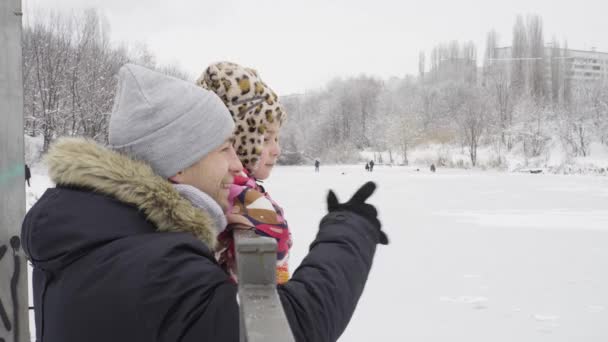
166 122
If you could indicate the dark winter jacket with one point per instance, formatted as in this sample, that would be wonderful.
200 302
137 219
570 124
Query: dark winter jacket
119 256
28 173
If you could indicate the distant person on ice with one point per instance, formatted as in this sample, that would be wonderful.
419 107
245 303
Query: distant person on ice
371 166
433 169
256 141
317 164
123 247
28 175
367 167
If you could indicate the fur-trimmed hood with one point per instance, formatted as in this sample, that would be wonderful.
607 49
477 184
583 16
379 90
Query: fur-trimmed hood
81 163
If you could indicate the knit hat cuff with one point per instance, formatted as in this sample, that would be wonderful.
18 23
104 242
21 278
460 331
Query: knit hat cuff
182 142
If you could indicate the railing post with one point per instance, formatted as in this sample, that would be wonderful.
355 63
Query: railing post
262 318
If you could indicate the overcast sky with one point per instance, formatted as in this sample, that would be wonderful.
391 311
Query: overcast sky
300 45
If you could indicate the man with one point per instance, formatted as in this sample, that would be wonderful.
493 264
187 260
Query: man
123 247
28 175
317 164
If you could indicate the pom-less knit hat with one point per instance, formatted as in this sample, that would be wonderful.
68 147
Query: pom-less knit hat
164 121
251 102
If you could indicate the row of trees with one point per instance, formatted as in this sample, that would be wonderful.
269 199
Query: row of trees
69 66
511 102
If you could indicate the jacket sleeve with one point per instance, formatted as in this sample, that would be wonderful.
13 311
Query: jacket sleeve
323 292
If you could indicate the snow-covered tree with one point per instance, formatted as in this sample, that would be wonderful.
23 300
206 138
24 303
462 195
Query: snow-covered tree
69 66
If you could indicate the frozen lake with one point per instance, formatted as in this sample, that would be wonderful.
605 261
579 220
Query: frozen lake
474 256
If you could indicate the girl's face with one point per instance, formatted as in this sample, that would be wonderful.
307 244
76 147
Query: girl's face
270 152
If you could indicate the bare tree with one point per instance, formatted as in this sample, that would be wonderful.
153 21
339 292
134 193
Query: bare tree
536 46
490 56
421 65
585 116
50 48
519 53
368 92
598 101
532 127
398 120
470 108
557 74
501 98
566 80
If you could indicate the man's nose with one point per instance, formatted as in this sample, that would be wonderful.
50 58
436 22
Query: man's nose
234 164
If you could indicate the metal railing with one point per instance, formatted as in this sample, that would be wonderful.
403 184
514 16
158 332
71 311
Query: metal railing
261 313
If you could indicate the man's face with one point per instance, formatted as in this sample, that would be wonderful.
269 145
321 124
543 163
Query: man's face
270 152
214 173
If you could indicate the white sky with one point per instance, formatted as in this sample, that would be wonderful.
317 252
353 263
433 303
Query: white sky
300 45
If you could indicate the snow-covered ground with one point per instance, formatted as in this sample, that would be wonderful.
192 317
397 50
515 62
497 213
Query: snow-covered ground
474 256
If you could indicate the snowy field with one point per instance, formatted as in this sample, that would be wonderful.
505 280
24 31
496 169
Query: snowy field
474 256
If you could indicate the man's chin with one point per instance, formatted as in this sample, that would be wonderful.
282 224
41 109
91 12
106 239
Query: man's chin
223 202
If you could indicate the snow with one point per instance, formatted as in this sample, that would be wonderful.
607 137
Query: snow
548 219
474 256
33 146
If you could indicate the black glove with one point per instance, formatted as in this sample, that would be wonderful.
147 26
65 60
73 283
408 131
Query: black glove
358 206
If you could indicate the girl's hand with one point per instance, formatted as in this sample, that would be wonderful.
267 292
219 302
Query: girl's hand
238 221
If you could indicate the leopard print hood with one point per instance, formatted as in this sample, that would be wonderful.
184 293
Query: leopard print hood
251 102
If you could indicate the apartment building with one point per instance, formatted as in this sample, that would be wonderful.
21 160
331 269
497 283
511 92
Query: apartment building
580 65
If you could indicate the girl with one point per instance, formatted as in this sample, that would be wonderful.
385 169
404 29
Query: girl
258 117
